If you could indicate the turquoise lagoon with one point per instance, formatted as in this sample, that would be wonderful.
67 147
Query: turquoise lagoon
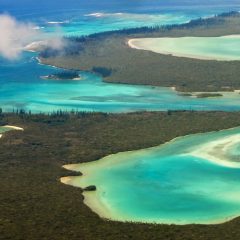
192 179
21 85
224 48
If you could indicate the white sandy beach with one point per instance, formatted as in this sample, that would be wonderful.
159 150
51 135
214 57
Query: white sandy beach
134 43
91 199
65 180
14 127
166 46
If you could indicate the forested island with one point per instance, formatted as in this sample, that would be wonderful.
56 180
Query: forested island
201 95
109 55
63 75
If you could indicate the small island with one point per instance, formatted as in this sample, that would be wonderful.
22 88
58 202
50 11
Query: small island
64 75
208 95
201 95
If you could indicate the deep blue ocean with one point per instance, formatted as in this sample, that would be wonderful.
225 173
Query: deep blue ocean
21 85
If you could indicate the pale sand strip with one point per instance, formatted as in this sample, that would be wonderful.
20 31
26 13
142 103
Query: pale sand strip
231 36
14 127
132 43
91 199
65 180
216 151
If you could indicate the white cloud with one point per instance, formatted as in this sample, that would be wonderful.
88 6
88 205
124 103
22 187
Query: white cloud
15 36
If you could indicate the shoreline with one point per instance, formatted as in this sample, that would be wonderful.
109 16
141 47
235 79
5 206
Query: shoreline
76 166
94 202
65 180
10 127
13 127
173 88
142 68
131 44
209 150
59 79
90 199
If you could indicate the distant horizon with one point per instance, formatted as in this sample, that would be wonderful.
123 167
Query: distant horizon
106 4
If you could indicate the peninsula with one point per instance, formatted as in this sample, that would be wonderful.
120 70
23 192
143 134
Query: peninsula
110 55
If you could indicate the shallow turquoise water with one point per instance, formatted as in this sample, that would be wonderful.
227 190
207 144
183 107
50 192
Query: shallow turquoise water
92 22
22 87
214 48
168 184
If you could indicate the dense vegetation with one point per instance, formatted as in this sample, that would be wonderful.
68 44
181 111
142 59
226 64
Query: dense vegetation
110 51
36 206
208 95
63 75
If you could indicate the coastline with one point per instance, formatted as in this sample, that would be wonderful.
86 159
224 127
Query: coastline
92 199
78 166
14 127
59 79
145 68
10 127
173 88
131 44
65 180
210 151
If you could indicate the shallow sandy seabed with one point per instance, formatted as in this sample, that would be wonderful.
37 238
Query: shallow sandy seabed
216 152
190 47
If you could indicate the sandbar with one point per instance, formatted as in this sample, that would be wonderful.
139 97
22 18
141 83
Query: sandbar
217 151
